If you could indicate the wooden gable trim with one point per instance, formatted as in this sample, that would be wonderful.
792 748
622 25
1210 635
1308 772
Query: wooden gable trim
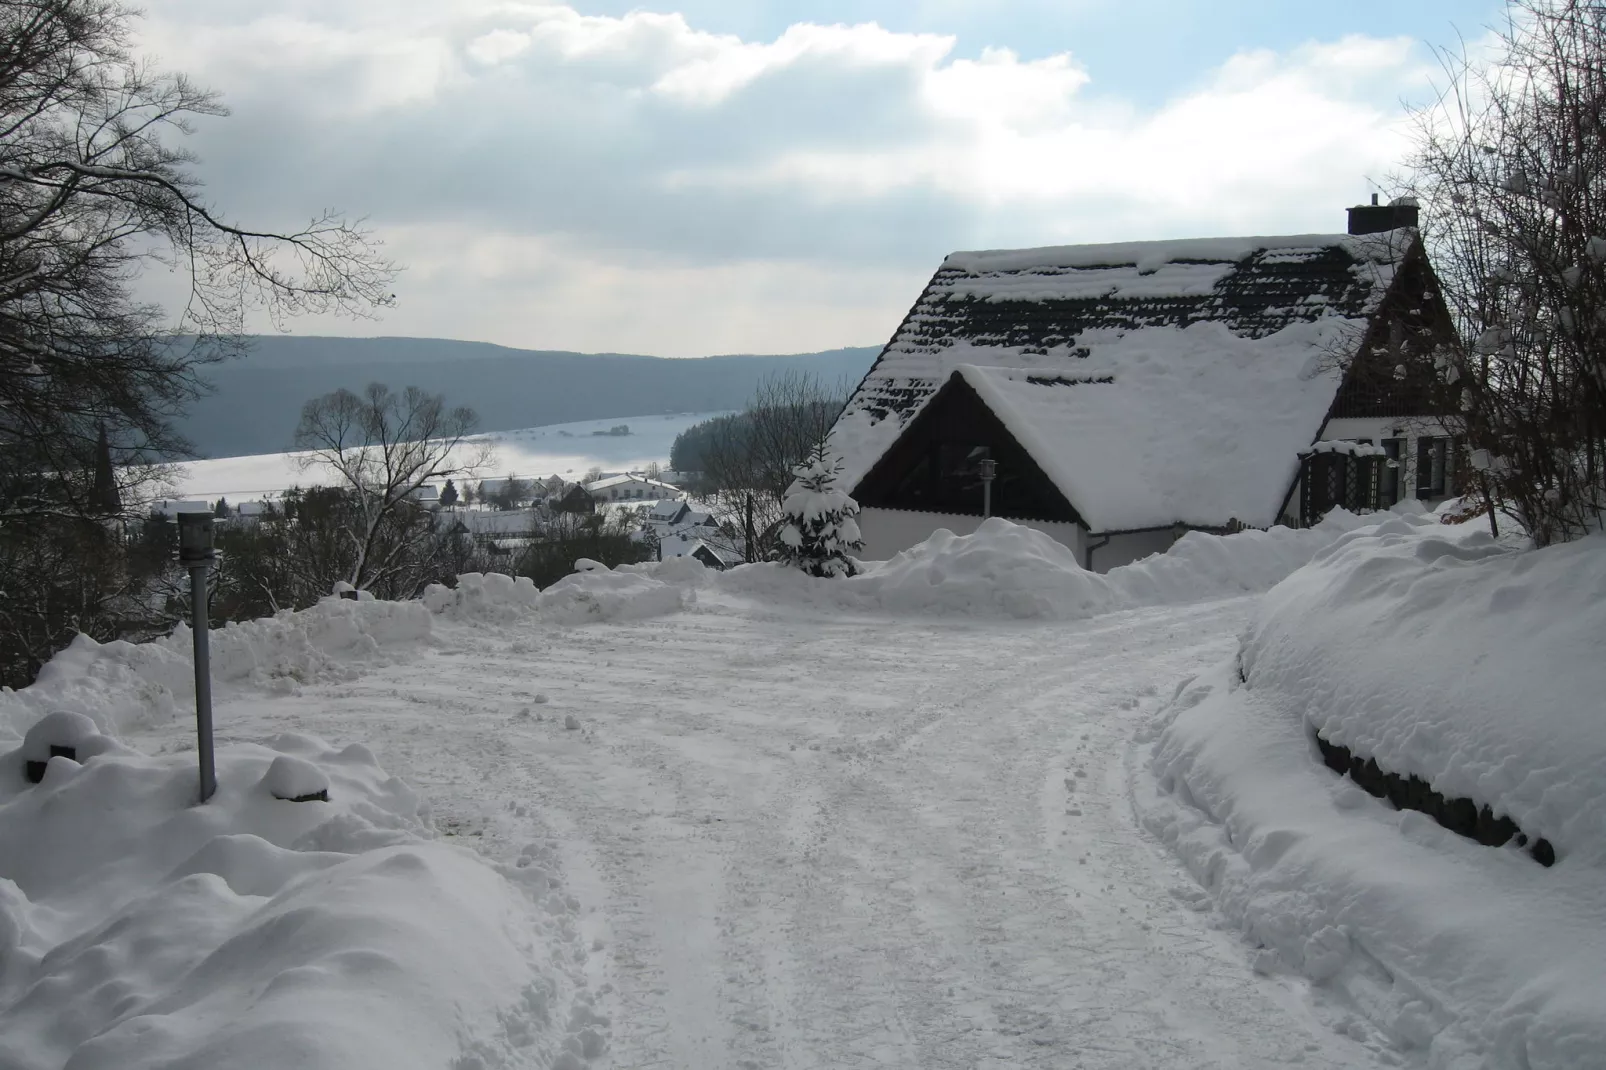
926 436
1415 268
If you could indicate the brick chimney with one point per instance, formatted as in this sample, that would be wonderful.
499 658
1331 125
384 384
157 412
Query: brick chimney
1375 218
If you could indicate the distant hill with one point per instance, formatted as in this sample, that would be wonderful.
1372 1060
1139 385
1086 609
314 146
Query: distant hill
259 397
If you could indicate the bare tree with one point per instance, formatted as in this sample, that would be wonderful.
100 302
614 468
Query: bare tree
1511 165
748 458
91 194
385 446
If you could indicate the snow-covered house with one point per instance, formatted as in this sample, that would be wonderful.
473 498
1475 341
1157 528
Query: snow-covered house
692 546
1127 393
668 511
630 488
171 508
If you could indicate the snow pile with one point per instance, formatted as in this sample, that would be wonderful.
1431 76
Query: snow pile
595 593
138 930
608 594
120 683
487 596
1003 569
1483 669
1008 570
1474 666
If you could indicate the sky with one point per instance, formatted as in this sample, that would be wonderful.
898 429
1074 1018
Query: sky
715 176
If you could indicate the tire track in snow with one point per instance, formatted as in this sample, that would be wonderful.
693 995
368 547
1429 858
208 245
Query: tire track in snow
812 841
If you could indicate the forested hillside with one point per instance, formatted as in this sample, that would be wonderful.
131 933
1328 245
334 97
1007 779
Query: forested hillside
259 397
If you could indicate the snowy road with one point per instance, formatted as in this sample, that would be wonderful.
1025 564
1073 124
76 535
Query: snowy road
808 841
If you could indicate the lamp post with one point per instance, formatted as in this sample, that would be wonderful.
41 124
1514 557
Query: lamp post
989 469
195 553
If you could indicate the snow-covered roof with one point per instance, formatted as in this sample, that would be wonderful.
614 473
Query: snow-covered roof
1154 382
688 546
173 508
619 481
668 509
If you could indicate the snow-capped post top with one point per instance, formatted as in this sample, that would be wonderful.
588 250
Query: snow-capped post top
61 734
820 526
295 779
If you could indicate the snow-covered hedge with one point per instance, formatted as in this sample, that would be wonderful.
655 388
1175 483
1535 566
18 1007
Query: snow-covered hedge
118 683
1474 666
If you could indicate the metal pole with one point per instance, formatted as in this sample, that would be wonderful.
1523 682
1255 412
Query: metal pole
986 498
203 678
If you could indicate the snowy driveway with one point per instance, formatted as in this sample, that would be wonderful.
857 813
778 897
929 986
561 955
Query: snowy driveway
814 841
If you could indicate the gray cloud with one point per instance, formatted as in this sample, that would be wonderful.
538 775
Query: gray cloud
635 183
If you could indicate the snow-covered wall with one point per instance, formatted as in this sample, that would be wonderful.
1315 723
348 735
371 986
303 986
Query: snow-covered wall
891 531
1474 665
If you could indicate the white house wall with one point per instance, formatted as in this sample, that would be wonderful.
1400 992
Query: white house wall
1125 549
890 531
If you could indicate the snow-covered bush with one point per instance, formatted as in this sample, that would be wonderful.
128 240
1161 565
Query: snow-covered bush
819 527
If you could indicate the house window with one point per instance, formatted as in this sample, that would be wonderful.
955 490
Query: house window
1394 448
1329 480
1432 462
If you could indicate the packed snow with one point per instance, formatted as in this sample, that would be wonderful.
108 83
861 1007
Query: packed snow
945 812
569 450
1473 665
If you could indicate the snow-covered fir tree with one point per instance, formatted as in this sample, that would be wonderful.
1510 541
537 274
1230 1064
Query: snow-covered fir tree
820 527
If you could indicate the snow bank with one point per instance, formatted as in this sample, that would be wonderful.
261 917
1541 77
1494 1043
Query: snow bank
1470 664
119 684
1007 570
597 593
138 930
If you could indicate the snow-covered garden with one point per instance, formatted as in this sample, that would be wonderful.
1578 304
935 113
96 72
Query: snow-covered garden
974 806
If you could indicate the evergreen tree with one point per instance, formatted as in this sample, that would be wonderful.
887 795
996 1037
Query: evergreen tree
448 495
105 499
221 509
819 526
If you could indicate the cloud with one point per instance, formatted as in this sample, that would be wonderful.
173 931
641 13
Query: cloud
634 182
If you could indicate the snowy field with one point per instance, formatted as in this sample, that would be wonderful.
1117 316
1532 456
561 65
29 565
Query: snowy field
953 813
568 450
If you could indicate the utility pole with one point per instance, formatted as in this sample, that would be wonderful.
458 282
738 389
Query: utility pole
195 553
